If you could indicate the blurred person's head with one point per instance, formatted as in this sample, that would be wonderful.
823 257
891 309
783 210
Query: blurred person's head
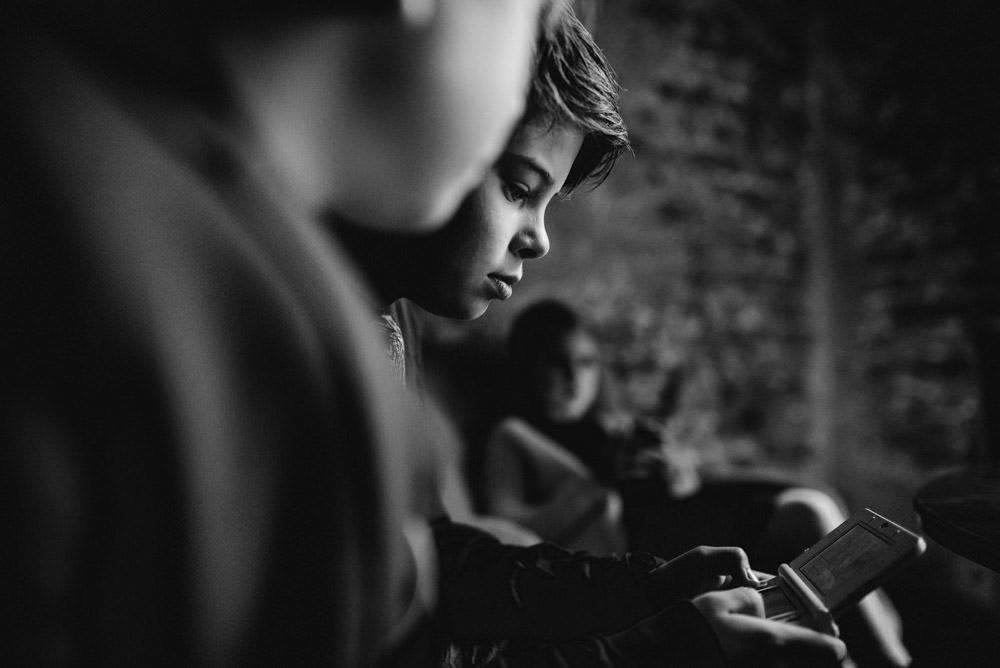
571 134
390 115
556 361
387 111
387 123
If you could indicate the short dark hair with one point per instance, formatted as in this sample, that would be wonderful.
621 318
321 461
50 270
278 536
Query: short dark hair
540 326
575 84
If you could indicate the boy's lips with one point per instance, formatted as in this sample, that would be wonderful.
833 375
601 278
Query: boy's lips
504 285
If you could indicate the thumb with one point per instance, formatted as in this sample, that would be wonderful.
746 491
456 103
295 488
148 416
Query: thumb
718 567
738 601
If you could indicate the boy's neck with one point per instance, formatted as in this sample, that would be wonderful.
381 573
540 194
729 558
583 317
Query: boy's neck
376 256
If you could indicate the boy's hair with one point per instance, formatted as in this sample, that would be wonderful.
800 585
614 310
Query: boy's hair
574 84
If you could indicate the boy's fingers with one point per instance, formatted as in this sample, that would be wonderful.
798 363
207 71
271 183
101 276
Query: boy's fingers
808 647
739 601
703 569
731 562
748 640
748 602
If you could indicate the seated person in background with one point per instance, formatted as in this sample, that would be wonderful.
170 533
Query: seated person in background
542 606
564 439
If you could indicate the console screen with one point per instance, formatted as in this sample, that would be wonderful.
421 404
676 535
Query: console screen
850 553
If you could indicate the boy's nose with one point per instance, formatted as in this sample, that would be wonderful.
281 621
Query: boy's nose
531 242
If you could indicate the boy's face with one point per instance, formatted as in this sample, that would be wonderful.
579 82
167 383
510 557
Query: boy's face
479 255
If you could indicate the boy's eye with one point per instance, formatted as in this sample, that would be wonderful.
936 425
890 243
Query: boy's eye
514 191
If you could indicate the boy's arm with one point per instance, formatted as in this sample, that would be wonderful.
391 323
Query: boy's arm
547 608
491 591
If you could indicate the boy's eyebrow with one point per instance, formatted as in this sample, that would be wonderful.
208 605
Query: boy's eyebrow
531 164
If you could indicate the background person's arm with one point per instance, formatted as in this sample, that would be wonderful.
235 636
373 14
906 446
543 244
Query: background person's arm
535 482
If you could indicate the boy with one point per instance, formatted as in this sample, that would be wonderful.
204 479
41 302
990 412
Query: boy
540 605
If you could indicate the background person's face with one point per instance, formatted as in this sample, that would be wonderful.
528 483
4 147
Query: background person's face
479 255
566 378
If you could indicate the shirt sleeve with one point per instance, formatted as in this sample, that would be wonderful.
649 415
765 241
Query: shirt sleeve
545 607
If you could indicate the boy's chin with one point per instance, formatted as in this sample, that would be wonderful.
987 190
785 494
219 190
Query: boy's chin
466 311
476 311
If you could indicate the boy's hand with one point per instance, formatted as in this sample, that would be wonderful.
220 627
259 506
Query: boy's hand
736 616
700 570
